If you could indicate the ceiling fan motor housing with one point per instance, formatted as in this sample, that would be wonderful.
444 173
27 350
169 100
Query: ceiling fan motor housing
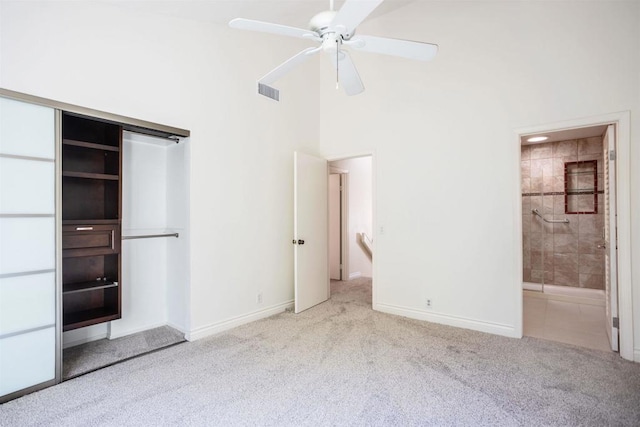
321 24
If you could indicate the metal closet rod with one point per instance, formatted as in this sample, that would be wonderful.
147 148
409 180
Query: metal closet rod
150 236
552 221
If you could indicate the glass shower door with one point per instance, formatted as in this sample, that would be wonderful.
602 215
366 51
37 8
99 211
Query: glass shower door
544 206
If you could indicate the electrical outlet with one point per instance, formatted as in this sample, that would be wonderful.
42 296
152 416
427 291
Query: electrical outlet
259 298
429 303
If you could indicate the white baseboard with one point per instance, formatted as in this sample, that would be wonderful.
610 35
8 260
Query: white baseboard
224 325
355 275
72 342
445 319
179 328
636 355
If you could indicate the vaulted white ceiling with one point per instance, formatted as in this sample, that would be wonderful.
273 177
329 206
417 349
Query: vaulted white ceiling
296 13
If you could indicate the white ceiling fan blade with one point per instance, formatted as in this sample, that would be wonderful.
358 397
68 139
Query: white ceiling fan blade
281 70
288 65
353 12
268 27
396 47
348 76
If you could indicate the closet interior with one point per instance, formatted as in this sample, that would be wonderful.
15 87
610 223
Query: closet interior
124 234
94 245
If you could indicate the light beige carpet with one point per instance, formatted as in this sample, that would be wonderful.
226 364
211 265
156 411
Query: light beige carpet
341 363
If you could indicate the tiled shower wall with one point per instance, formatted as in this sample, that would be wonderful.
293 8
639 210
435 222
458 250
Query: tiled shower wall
560 254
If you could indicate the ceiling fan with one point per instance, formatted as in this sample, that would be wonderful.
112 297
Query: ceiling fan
334 30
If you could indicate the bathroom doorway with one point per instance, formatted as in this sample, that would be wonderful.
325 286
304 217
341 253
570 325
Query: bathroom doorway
568 233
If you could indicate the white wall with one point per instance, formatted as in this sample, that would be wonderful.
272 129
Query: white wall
198 76
447 179
443 134
178 250
360 207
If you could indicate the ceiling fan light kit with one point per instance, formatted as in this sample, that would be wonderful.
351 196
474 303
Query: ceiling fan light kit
334 30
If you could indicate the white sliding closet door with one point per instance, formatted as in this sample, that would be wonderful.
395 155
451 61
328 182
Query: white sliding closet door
27 247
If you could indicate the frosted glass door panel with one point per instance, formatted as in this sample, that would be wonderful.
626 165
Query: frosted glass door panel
27 359
26 129
35 195
27 244
27 302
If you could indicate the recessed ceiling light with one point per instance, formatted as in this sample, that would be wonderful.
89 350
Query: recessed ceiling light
537 138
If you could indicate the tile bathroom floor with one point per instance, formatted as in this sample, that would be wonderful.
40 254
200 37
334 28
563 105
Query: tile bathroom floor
568 322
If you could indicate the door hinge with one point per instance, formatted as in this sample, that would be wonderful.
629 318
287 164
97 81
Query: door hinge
616 322
612 155
295 242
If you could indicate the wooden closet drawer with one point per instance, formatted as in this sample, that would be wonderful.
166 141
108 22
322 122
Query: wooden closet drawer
89 240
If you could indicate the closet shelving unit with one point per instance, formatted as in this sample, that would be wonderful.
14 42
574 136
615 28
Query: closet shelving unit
91 221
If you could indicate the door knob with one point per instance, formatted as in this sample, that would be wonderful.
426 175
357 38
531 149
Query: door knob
301 242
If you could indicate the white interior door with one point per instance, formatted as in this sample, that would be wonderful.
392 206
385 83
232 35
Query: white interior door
611 245
28 353
310 231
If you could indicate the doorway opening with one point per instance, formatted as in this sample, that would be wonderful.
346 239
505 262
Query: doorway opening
351 224
569 251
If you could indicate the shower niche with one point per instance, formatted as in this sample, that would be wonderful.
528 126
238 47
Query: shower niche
581 187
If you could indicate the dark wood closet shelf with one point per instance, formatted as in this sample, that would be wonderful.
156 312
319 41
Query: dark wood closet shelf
91 208
90 221
89 145
79 319
87 175
94 285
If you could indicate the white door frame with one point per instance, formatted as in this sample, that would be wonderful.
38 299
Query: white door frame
622 122
611 239
374 211
344 219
